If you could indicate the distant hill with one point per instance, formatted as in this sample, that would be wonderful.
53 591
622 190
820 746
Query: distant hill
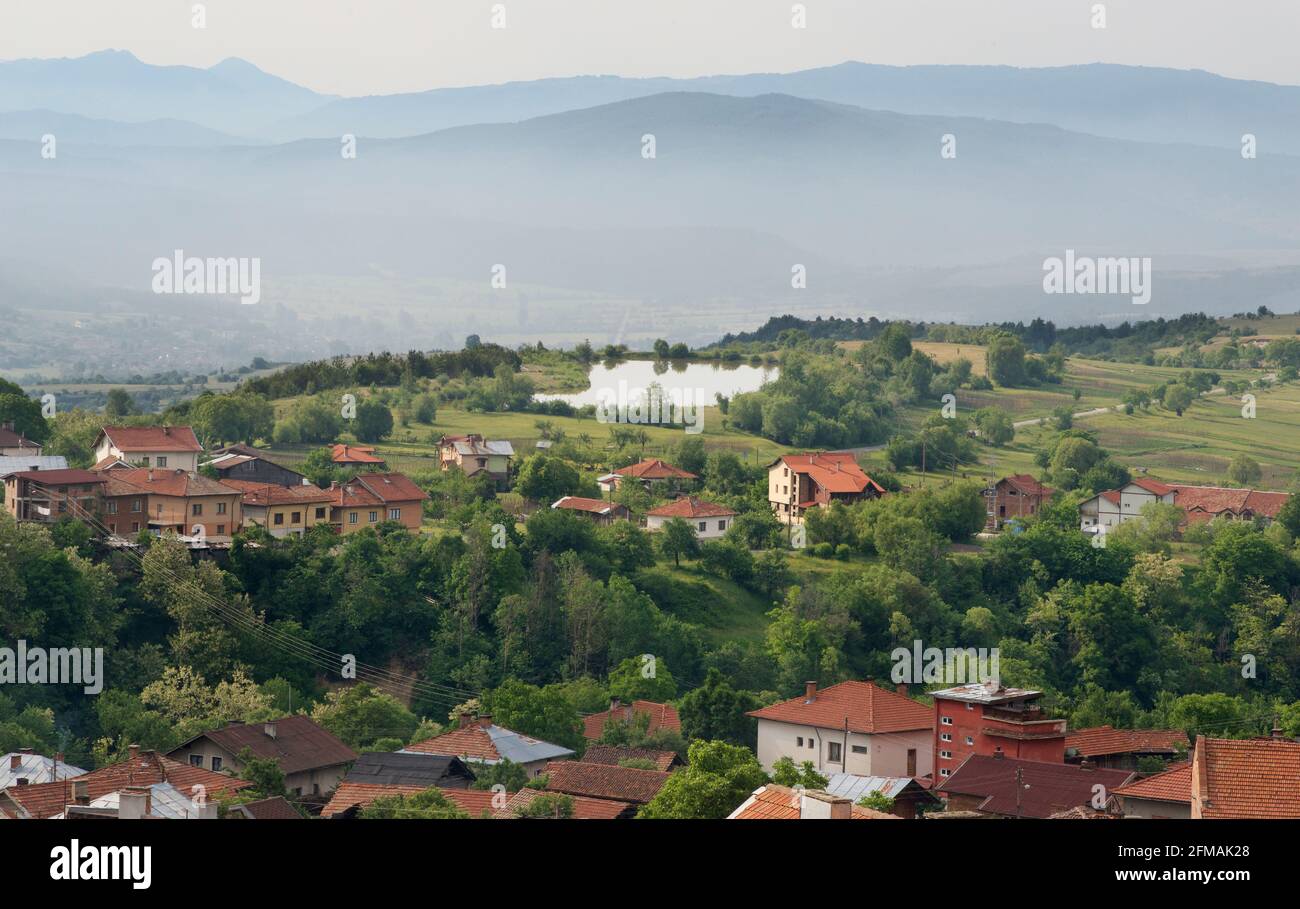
31 125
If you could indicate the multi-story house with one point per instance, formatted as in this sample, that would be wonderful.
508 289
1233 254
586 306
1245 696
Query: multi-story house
285 511
372 498
475 455
175 500
987 718
47 496
170 447
796 483
1017 496
1114 507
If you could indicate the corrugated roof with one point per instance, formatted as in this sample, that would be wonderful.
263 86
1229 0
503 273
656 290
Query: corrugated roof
489 744
18 463
34 768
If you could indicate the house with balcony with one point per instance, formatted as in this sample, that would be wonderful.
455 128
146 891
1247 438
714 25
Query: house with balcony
796 483
47 496
988 718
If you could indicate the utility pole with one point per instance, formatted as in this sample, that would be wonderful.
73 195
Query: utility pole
1020 786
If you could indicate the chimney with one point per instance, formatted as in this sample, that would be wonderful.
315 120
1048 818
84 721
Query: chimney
614 704
167 430
485 720
15 761
81 792
809 691
464 720
133 803
269 729
133 752
1277 731
902 689
817 805
1086 764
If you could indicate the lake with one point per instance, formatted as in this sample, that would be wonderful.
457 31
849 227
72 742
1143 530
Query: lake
700 380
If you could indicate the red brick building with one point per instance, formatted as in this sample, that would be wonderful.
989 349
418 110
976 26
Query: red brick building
990 719
1017 496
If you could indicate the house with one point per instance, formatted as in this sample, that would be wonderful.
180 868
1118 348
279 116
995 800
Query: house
371 498
988 718
1199 503
1010 787
478 741
46 496
126 507
584 809
361 456
1016 496
1161 795
911 798
172 447
276 808
617 754
243 462
198 788
175 500
796 483
597 510
1245 778
853 727
24 768
781 803
1120 749
474 455
387 773
15 464
661 716
285 511
648 473
709 521
604 781
13 444
312 758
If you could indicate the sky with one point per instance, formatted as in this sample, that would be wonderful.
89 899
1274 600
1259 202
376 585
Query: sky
359 47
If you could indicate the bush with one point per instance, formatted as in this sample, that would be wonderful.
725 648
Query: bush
843 551
824 550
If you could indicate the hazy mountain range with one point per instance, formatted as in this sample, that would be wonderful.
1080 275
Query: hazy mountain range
836 169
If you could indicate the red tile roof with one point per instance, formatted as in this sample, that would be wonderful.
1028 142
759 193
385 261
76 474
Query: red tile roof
471 742
1216 500
360 795
834 471
1246 778
654 469
662 716
262 494
276 808
299 743
376 489
865 707
1153 486
127 439
591 506
1028 485
690 507
354 454
1172 785
781 803
1049 788
613 754
604 781
168 482
11 439
42 800
68 477
583 808
1101 740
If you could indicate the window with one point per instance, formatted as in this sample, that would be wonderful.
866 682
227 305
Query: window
295 518
137 506
394 514
216 763
63 506
704 525
112 506
352 517
833 752
144 460
320 514
945 720
221 508
858 749
196 509
135 526
799 741
722 525
970 740
970 706
221 529
945 736
196 760
112 528
279 518
374 517
945 755
162 461
943 771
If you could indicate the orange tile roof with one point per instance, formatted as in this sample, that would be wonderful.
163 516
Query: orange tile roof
781 803
581 503
613 754
1172 785
691 507
354 454
654 469
662 716
865 707
1100 740
584 809
43 800
168 482
1028 485
151 438
360 795
1153 486
604 781
471 742
376 489
1246 778
834 471
1215 500
261 494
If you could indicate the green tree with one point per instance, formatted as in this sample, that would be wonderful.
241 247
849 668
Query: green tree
676 539
548 805
1244 470
374 421
786 773
428 805
628 681
717 778
1006 361
360 715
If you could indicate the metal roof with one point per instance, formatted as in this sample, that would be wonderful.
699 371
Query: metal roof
18 463
34 768
851 786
